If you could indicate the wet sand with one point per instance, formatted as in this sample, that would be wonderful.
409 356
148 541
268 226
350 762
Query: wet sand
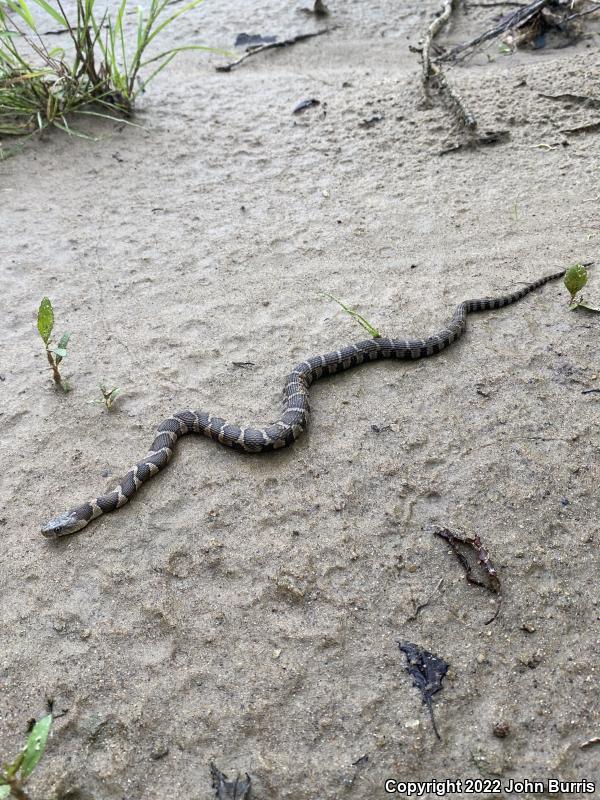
246 610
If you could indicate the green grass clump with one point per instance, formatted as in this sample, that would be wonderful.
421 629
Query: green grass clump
98 74
108 397
13 776
54 353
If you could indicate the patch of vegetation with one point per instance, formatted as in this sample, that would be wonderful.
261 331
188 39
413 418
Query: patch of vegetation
13 776
575 279
100 73
108 397
54 354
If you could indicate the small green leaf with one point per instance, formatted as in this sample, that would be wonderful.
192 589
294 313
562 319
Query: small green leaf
581 304
575 279
53 12
36 744
45 320
11 770
60 351
4 791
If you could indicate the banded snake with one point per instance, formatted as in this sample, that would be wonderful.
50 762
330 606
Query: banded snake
294 416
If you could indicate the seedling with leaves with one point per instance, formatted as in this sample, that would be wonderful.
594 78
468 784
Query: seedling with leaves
54 354
355 315
108 397
575 280
13 776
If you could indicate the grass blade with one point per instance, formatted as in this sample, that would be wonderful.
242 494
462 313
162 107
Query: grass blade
56 15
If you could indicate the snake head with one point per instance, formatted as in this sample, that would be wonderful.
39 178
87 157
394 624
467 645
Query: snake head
68 522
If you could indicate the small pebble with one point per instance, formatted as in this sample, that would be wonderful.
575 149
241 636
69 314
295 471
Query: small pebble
527 626
501 729
159 751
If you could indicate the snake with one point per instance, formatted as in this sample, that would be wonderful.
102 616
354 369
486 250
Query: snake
295 413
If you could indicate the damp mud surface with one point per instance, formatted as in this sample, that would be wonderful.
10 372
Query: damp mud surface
246 610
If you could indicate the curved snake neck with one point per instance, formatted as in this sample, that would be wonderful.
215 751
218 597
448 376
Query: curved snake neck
294 416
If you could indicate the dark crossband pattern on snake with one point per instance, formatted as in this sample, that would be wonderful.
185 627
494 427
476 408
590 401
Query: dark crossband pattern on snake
294 416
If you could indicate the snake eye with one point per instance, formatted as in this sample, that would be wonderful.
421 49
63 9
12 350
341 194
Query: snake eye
59 525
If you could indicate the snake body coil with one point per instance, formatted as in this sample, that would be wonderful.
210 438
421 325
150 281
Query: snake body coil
295 412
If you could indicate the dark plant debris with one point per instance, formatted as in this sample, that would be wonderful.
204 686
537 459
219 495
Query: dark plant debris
427 672
501 729
252 50
371 121
304 105
376 428
420 606
526 26
253 40
319 9
472 142
591 127
575 99
457 542
239 789
590 743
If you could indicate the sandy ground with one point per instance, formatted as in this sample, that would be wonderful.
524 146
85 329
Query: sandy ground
246 610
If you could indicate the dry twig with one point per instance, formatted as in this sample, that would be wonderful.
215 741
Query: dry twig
425 603
433 75
512 21
532 19
252 51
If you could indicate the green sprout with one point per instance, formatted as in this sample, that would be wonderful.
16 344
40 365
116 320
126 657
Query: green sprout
108 397
13 776
575 280
54 354
358 317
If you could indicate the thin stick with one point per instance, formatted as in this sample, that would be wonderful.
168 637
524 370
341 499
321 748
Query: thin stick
584 13
514 20
432 31
433 75
423 605
261 48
